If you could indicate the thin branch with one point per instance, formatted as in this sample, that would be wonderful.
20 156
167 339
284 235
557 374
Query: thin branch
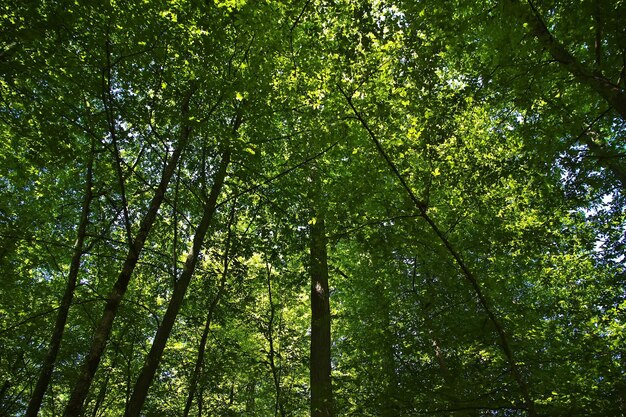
469 275
347 231
45 313
279 175
590 125
295 23
421 206
107 101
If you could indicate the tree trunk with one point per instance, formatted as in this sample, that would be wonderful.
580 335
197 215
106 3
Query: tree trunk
74 407
193 383
389 388
250 398
278 402
320 368
68 296
144 381
101 396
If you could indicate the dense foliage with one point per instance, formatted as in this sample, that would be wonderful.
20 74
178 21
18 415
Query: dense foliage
180 179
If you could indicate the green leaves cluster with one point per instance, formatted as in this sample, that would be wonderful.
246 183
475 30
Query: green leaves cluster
514 157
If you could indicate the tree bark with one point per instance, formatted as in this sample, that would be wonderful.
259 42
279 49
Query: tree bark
389 389
68 296
144 381
320 367
75 405
250 398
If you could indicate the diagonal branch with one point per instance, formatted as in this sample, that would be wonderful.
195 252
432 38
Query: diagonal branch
469 275
279 175
107 101
610 92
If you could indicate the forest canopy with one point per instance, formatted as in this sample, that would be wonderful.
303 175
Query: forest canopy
312 208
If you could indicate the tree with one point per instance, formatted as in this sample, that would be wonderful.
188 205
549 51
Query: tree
320 362
59 327
140 390
192 192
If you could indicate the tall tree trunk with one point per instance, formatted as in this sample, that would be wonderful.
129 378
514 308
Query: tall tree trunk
278 402
250 398
68 296
195 376
389 388
74 407
100 397
144 381
193 383
200 401
320 368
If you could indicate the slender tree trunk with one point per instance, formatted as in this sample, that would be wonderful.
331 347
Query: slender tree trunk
231 397
250 398
144 381
128 388
101 396
175 228
200 401
599 24
107 102
320 367
278 404
391 407
74 407
193 383
59 327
